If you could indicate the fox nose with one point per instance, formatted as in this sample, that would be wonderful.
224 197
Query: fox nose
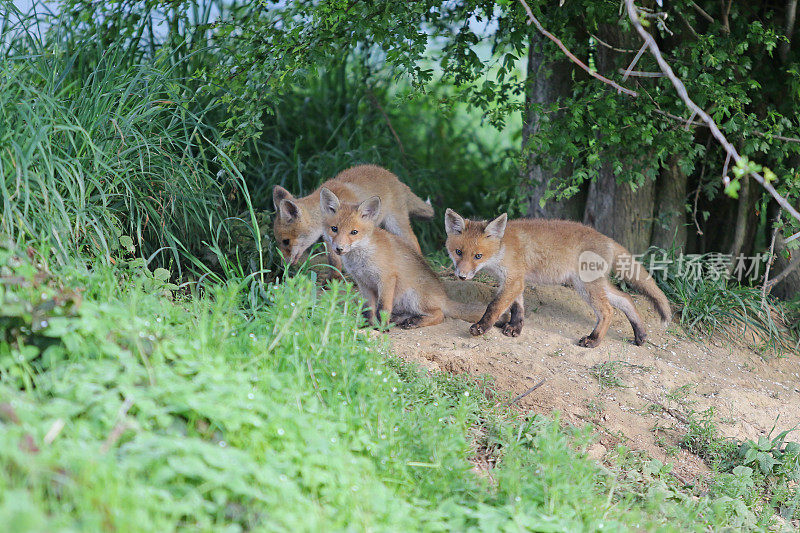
338 249
462 276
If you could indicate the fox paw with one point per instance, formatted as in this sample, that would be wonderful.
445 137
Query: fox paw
638 338
589 342
512 330
477 329
410 323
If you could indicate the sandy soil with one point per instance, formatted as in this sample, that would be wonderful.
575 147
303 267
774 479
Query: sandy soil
747 391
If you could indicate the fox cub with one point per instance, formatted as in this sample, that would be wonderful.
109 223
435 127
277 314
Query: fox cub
298 221
390 272
549 252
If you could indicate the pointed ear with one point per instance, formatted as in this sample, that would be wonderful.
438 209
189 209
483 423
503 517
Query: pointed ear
497 227
454 223
288 210
279 194
328 202
370 208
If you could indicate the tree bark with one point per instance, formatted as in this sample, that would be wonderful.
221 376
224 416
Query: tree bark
669 226
612 208
742 217
616 210
547 82
790 285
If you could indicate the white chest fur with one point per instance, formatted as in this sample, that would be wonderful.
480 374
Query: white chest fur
360 264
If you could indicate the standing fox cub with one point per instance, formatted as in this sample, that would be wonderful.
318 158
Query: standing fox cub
549 252
389 272
298 221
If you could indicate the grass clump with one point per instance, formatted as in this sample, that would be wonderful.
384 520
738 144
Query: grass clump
209 413
709 301
95 146
760 474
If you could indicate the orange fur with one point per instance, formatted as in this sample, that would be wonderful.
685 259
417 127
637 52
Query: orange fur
393 277
298 221
548 252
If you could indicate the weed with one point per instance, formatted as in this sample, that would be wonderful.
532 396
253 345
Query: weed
607 373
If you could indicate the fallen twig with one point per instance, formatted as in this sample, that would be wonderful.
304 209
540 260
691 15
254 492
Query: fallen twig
521 396
676 415
119 427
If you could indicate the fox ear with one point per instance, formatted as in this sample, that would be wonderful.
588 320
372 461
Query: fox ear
288 210
370 208
328 201
279 194
497 227
454 223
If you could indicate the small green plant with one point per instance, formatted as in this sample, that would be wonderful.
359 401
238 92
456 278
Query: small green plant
607 373
773 455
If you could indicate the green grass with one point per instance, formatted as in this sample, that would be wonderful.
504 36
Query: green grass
206 412
757 474
710 304
96 146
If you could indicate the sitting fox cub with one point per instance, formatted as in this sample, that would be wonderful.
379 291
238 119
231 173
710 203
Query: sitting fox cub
549 252
389 272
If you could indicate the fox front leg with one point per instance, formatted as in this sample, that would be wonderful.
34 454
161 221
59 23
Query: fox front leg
514 325
511 290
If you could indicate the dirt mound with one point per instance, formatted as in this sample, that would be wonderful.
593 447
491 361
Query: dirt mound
615 385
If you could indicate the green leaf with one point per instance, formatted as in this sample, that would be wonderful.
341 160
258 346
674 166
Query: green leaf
161 274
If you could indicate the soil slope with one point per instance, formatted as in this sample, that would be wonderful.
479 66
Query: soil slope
747 391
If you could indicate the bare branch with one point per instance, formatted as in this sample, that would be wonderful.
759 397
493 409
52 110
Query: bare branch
780 277
610 47
702 12
633 63
771 260
640 74
594 74
715 131
692 122
726 25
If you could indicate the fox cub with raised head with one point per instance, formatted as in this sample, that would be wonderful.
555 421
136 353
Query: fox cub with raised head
299 223
391 274
549 252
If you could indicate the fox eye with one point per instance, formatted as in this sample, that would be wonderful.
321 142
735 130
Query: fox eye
458 252
286 242
334 229
354 232
478 256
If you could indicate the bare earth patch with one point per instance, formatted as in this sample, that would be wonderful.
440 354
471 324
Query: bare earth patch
746 390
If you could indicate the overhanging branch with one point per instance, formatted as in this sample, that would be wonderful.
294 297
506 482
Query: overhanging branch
696 110
573 57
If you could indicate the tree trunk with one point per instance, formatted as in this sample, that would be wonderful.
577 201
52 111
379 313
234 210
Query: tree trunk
612 208
790 286
547 82
616 210
742 216
669 227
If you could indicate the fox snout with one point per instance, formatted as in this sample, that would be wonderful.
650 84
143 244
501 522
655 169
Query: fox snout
340 248
464 275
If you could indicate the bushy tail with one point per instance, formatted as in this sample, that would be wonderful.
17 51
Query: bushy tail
627 268
419 208
469 312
